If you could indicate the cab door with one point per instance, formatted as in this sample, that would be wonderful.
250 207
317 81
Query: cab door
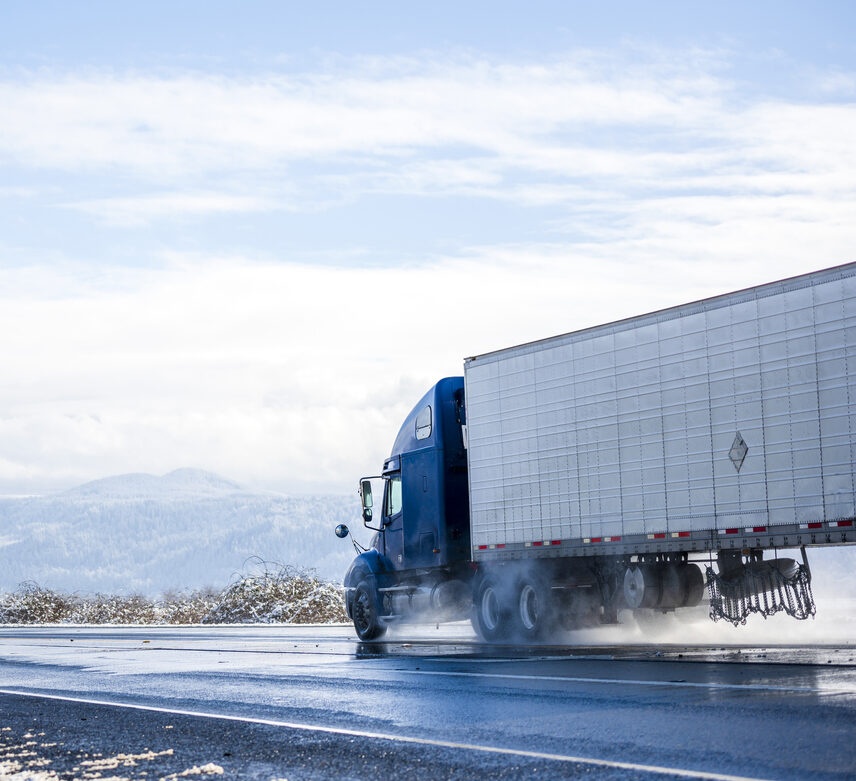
422 490
393 520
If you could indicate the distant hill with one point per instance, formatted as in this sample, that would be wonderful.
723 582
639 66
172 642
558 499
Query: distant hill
186 529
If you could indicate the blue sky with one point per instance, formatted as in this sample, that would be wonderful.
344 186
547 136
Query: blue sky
247 237
223 35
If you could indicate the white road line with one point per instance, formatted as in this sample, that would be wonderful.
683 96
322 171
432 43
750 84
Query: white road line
395 738
677 684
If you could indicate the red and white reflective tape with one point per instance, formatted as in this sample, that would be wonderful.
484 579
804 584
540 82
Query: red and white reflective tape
675 535
831 524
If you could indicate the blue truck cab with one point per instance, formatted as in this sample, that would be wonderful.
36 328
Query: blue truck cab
419 558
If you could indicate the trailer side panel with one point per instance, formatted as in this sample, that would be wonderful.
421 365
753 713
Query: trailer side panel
737 412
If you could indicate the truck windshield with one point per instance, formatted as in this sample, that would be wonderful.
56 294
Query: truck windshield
393 496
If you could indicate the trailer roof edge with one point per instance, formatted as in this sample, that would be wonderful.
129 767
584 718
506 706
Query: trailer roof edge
700 305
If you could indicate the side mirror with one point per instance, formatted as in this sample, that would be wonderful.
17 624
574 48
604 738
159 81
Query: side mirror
342 531
366 501
366 493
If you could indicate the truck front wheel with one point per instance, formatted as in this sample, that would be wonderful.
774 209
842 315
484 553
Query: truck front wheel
365 612
491 614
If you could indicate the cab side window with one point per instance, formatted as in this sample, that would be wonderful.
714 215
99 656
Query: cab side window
423 424
393 496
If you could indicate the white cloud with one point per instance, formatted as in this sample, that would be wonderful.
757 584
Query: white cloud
837 82
664 186
298 376
139 210
160 126
638 123
656 158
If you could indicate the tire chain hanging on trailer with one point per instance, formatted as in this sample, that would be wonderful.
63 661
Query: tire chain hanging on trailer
766 592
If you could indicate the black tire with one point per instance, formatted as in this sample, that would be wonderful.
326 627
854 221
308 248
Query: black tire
692 584
492 617
534 609
642 586
671 587
364 611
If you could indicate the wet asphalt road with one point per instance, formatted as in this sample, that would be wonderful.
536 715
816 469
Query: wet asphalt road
274 702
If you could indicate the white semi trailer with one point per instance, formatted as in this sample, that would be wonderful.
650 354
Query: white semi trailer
564 479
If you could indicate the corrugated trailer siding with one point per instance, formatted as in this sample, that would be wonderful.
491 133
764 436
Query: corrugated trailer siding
626 428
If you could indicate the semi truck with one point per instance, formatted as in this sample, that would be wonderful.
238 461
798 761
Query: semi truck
627 466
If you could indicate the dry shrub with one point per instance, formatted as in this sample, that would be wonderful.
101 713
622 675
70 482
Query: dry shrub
276 594
32 604
182 607
279 594
112 609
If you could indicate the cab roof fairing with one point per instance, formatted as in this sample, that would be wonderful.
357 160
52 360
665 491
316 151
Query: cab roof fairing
406 441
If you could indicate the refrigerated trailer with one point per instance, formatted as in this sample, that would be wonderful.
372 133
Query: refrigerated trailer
625 466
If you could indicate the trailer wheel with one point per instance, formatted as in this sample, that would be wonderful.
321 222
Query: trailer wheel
491 614
365 612
535 611
641 586
692 584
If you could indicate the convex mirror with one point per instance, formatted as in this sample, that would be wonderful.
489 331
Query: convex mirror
366 493
367 501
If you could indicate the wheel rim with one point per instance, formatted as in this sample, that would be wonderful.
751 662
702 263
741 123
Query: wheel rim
490 609
361 611
528 607
634 587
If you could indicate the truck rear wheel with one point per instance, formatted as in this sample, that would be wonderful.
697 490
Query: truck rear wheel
692 584
641 586
534 602
365 612
491 614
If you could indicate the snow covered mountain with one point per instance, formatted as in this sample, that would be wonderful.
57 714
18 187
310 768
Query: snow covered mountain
147 534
